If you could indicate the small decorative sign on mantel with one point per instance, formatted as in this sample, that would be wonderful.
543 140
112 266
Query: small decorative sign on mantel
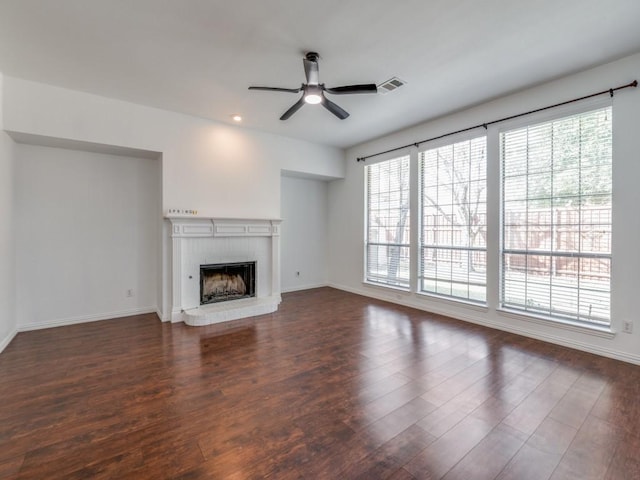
181 212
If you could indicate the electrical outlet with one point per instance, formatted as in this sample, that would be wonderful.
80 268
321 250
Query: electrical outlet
627 326
130 292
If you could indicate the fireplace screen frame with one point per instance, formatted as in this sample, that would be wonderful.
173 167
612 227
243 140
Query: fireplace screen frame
248 270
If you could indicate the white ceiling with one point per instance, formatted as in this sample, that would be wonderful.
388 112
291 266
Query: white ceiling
199 56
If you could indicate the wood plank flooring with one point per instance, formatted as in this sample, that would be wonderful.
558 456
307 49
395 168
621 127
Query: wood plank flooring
332 386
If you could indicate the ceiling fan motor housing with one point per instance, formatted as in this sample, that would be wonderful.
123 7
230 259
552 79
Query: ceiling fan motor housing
312 56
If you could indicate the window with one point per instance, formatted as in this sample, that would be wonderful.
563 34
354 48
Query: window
556 218
387 229
453 220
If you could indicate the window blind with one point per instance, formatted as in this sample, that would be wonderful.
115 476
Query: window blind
387 229
453 220
556 218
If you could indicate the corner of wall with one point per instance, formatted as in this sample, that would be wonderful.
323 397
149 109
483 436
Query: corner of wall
8 327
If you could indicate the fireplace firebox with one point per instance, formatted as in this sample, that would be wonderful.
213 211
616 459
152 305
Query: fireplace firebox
227 281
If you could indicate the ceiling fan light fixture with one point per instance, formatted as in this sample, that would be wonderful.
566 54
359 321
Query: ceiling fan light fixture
313 98
313 94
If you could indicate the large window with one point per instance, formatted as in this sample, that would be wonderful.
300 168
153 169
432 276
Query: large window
387 229
453 220
556 218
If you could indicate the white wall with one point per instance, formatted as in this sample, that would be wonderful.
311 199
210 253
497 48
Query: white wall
219 170
87 230
8 324
304 233
346 210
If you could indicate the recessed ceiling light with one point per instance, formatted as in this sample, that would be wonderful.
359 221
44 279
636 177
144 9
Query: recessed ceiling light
236 118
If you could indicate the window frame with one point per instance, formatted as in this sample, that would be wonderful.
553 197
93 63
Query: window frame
367 277
422 245
566 321
494 211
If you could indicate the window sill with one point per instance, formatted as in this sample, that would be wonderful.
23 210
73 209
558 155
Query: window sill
598 331
386 287
423 296
479 306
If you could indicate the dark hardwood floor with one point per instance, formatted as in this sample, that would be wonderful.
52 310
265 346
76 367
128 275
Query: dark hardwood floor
332 386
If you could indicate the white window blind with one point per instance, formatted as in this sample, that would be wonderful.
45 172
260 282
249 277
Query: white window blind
453 220
387 229
556 218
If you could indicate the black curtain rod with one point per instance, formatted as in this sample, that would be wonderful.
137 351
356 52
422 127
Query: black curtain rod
485 125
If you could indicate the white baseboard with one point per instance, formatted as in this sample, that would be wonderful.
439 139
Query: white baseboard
304 287
162 317
409 300
7 340
86 319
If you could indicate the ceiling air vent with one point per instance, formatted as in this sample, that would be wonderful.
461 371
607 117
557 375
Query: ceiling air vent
390 85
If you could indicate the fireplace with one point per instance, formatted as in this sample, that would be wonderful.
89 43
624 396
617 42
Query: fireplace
221 282
209 242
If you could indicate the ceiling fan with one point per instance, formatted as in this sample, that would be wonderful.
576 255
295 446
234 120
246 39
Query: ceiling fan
314 90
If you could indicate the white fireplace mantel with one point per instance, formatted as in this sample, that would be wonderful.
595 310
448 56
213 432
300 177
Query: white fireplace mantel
197 241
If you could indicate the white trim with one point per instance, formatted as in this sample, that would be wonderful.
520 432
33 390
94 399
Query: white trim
587 106
596 330
61 322
455 301
406 300
411 158
304 287
162 317
7 340
385 286
423 205
194 227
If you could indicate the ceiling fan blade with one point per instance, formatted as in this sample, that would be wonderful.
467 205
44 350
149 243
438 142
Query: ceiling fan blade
311 68
333 108
294 108
276 89
347 89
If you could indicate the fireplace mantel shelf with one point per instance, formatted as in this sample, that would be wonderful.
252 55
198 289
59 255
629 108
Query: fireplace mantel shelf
185 227
221 219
